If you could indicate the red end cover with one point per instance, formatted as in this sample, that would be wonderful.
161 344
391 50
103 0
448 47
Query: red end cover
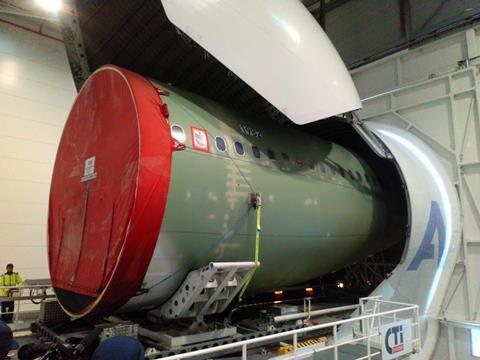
109 190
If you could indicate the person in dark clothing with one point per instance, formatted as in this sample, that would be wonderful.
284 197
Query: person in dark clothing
10 278
7 342
119 348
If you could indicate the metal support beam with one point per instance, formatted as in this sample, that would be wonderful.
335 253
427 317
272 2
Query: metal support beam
308 314
370 138
72 38
9 9
332 5
433 15
406 17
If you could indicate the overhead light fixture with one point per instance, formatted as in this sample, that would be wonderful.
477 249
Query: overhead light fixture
52 6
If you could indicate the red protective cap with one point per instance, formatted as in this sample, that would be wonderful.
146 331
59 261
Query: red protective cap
108 193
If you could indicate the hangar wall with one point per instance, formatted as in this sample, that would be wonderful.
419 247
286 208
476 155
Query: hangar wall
433 91
36 92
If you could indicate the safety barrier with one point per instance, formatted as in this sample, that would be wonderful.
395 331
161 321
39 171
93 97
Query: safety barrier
26 298
372 315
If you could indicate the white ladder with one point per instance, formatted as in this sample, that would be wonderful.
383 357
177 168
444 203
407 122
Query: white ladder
208 290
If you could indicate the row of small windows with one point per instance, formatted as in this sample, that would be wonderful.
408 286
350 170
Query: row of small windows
221 145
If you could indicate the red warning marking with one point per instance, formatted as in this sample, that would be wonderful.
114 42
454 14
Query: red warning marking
199 139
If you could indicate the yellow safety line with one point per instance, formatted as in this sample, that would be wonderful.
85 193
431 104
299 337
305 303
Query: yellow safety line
300 345
257 251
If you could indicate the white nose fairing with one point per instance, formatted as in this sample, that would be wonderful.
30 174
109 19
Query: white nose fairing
277 47
435 232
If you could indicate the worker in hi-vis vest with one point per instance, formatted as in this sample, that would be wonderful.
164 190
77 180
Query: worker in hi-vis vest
10 278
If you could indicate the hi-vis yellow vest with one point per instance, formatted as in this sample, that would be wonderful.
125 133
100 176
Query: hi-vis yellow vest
9 280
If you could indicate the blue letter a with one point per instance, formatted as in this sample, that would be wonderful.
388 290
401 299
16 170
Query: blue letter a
427 249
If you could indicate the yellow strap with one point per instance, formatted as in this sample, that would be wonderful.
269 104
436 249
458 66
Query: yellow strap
257 251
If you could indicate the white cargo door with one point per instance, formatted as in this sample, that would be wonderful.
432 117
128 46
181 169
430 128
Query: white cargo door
275 46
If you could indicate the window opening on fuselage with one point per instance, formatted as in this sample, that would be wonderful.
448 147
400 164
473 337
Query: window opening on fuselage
333 169
271 154
256 151
239 148
350 174
220 144
322 166
178 133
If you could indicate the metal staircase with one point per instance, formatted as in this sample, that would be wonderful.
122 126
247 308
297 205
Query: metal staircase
205 291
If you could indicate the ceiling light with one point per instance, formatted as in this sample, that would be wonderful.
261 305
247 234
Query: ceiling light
52 6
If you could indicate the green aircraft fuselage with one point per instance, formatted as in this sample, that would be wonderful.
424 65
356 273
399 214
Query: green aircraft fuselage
323 207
